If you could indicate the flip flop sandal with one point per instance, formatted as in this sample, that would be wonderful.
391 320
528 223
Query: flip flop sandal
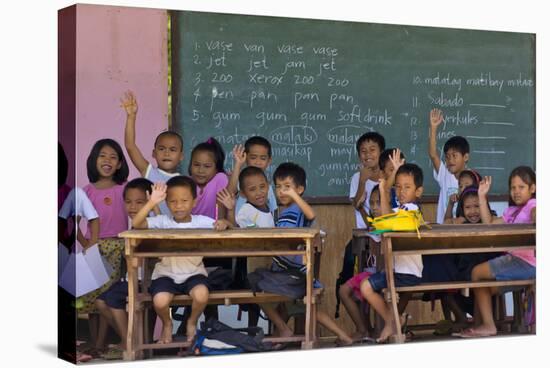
112 354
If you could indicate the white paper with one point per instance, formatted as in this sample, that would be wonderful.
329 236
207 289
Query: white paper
62 259
85 272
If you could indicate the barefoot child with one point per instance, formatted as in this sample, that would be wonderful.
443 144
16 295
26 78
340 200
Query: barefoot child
293 211
516 265
177 275
407 268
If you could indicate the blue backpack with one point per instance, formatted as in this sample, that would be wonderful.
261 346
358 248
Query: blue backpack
216 338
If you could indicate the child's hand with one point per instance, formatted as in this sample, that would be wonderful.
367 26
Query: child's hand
436 117
221 225
226 198
288 191
453 198
484 186
159 193
239 156
396 160
129 103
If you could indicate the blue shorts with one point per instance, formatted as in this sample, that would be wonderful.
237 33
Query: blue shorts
378 280
116 295
167 285
508 267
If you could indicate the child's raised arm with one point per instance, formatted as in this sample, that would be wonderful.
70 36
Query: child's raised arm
239 159
449 212
304 206
360 197
482 192
385 206
129 103
436 117
397 162
157 196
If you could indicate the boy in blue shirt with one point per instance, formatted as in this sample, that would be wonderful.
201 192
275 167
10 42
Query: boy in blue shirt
293 211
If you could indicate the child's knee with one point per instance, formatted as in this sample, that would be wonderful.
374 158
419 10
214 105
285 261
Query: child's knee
200 294
344 291
477 272
100 305
162 300
366 288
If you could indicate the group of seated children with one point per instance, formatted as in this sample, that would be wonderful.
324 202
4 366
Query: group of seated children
209 198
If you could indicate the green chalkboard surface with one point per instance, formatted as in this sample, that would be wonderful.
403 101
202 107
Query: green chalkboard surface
313 86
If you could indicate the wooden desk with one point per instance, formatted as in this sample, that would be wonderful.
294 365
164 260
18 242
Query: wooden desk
210 243
450 239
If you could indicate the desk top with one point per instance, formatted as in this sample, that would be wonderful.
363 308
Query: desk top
189 234
466 230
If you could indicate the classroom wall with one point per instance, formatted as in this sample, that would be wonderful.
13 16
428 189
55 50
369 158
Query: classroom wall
117 49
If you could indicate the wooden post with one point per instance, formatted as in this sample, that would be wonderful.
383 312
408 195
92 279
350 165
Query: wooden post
386 243
130 353
308 344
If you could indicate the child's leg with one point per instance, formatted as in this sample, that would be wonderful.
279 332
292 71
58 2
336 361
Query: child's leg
353 310
120 320
102 332
483 300
161 303
275 318
329 323
199 294
377 302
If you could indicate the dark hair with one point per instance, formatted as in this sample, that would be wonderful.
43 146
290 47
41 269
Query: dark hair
290 170
457 143
145 185
182 181
257 140
248 172
414 170
371 136
474 175
385 156
170 133
527 175
120 175
62 166
213 146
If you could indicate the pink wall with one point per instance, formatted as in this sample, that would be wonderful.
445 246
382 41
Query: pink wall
117 49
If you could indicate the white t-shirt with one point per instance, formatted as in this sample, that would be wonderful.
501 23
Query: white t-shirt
78 204
448 185
354 186
250 216
410 264
179 269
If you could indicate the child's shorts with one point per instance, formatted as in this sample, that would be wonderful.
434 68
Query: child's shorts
167 285
378 280
355 284
115 296
509 267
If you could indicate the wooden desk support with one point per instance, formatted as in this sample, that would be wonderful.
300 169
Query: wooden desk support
452 239
210 243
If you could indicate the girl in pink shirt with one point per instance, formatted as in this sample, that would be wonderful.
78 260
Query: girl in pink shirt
206 169
107 171
516 265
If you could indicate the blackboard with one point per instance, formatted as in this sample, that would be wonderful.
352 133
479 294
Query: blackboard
313 86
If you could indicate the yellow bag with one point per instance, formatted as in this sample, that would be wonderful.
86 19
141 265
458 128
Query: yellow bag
402 220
